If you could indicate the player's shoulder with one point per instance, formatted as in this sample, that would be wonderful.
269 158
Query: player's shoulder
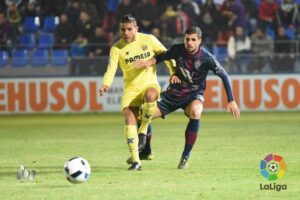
119 44
206 52
146 38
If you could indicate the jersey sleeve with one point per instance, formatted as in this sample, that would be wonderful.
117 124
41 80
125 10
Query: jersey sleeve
112 67
168 55
218 70
159 48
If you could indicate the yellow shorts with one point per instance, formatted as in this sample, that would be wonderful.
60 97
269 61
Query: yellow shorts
135 98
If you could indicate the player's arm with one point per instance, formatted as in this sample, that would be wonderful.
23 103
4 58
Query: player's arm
158 49
159 57
219 71
111 71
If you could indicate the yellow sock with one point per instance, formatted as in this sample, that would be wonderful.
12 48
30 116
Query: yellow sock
147 114
132 141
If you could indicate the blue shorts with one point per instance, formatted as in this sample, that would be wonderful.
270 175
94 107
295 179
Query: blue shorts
168 104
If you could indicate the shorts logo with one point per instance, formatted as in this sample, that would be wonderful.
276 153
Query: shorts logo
272 167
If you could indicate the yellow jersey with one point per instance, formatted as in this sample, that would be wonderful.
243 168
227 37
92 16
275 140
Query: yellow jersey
124 54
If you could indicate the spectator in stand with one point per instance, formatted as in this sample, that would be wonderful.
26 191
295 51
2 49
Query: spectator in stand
125 7
182 22
51 7
228 17
288 11
7 33
209 29
78 52
64 32
262 47
13 15
90 9
225 22
110 27
239 46
167 21
30 9
146 14
210 6
191 8
164 3
85 27
98 45
251 16
79 46
72 11
17 2
284 52
239 12
268 13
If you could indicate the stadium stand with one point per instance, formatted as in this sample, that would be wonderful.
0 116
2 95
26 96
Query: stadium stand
46 40
37 24
27 41
60 57
30 25
3 58
20 58
49 24
40 58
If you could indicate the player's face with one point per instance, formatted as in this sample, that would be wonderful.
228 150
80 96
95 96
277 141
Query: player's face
191 43
128 31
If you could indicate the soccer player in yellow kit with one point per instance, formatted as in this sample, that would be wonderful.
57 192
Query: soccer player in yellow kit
141 88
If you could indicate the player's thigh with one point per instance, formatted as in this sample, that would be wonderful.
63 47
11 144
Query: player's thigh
132 98
167 104
130 115
194 109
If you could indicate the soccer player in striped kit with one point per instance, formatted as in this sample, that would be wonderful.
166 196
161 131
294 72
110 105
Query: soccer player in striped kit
187 85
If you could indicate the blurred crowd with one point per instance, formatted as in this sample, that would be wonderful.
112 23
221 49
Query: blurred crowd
262 28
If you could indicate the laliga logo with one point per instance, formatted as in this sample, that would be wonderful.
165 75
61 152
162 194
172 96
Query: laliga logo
272 167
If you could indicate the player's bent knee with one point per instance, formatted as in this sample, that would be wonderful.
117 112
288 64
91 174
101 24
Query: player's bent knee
151 95
195 111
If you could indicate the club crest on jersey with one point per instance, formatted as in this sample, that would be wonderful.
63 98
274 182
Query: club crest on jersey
144 47
197 64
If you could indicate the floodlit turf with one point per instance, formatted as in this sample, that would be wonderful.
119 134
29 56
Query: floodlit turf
224 163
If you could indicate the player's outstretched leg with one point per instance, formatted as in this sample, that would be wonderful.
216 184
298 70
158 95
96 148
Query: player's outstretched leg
191 134
149 107
132 141
146 154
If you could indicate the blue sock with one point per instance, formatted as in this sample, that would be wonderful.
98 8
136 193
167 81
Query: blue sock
147 149
191 134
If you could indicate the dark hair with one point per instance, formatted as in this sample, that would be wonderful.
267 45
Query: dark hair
128 19
194 29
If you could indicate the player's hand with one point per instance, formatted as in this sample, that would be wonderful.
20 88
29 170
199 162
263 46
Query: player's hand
174 79
138 64
103 89
234 109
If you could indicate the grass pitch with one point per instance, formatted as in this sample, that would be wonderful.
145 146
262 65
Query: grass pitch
224 163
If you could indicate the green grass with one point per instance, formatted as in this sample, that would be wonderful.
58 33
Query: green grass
224 163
